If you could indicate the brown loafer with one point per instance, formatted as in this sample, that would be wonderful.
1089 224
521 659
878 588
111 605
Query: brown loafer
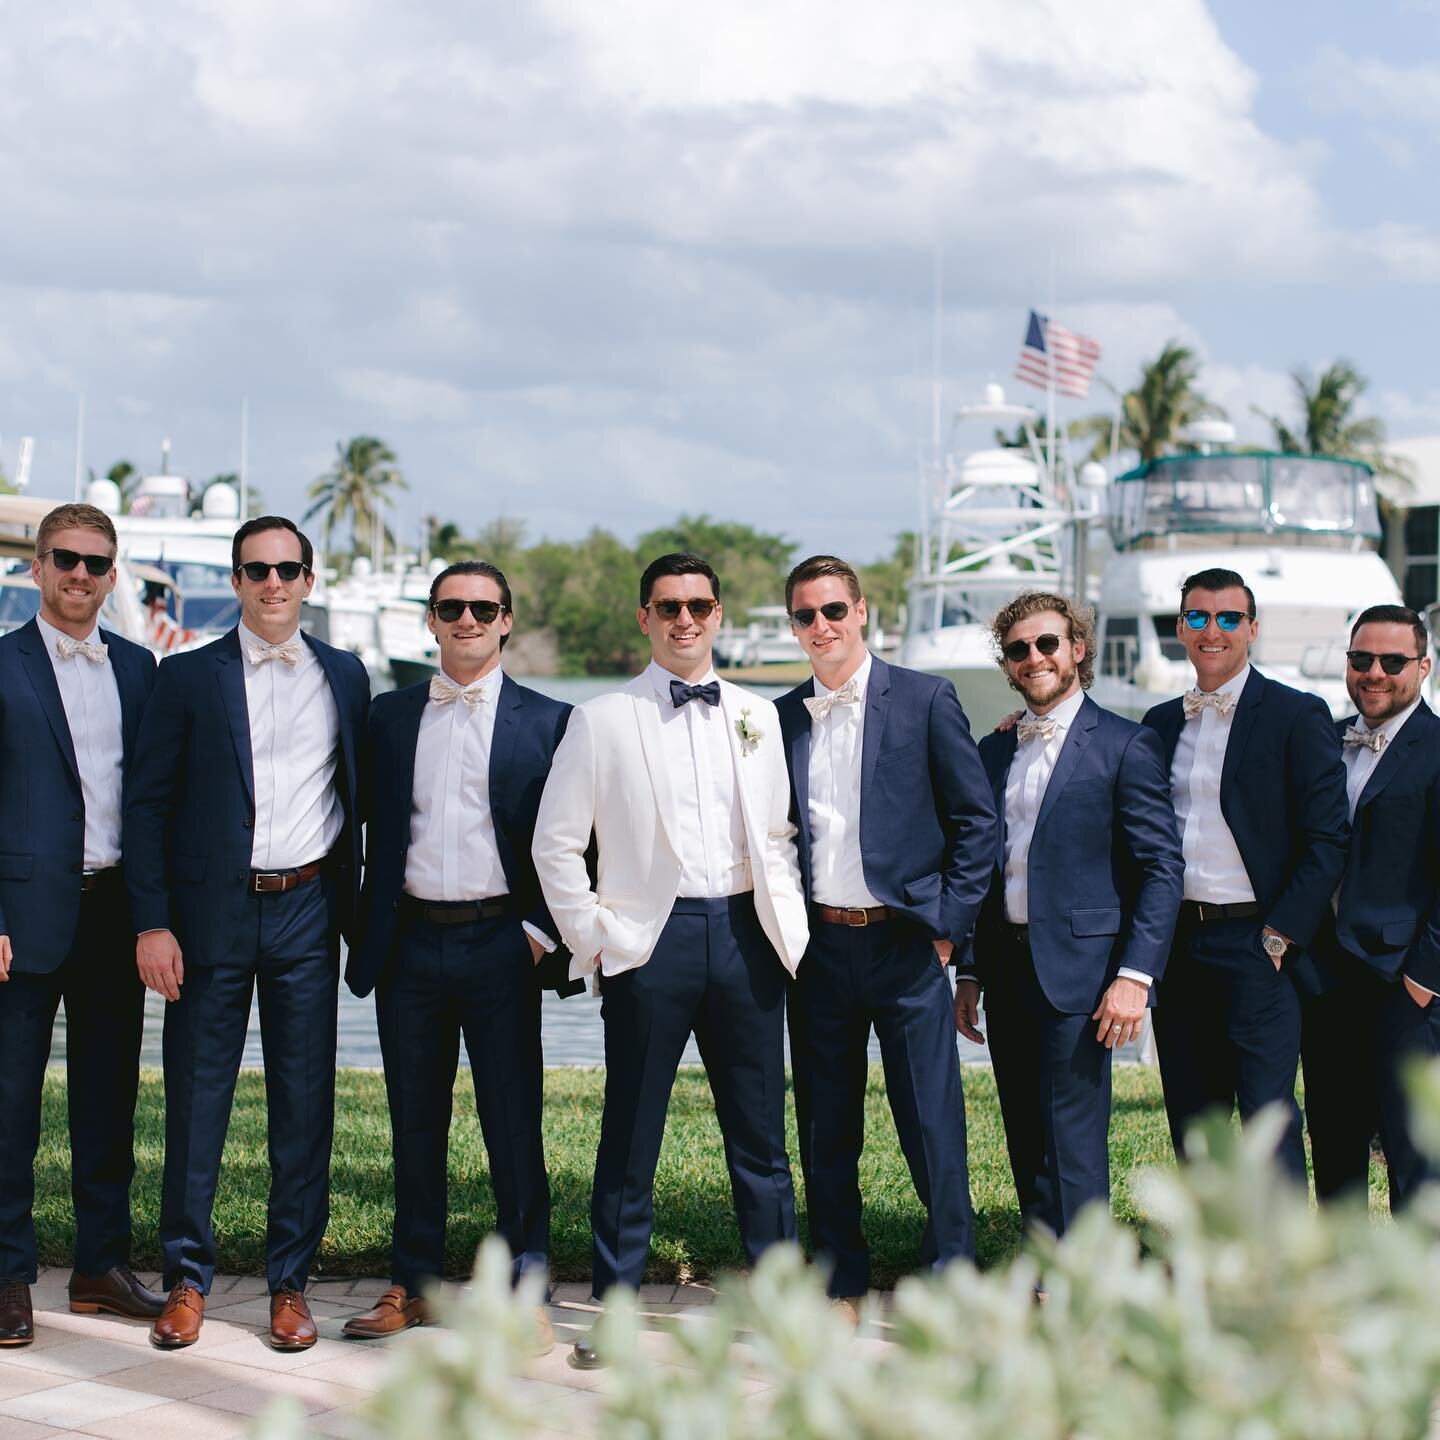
397 1309
180 1320
116 1292
847 1307
291 1324
17 1319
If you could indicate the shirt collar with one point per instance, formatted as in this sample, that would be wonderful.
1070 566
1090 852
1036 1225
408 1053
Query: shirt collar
489 683
1393 724
50 634
249 637
660 678
1065 712
860 680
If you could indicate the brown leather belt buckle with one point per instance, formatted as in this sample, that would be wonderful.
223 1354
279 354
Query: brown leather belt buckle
280 882
855 916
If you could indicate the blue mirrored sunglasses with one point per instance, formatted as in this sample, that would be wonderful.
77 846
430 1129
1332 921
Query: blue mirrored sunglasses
1225 619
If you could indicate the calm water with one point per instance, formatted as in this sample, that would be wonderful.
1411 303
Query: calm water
571 1029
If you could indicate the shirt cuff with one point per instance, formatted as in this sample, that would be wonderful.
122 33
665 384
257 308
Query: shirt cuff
540 938
1139 976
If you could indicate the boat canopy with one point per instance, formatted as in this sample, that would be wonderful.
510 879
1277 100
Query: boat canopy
1250 494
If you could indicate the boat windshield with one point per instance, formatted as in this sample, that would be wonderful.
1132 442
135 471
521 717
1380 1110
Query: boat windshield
210 600
1244 494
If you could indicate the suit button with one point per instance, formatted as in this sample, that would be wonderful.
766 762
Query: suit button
249 824
239 874
78 815
77 869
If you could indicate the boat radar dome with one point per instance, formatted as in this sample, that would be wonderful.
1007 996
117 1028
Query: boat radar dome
1207 433
1092 475
220 502
103 495
994 394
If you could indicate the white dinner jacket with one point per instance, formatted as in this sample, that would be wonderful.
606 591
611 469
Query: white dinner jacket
609 776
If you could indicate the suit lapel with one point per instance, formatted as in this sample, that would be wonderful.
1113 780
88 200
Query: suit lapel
330 663
1076 740
47 690
509 715
129 681
1241 724
230 677
1395 754
799 746
1001 756
732 701
647 720
1169 721
877 708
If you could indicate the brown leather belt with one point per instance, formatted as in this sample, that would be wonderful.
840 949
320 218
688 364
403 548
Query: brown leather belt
277 882
454 912
855 916
1202 912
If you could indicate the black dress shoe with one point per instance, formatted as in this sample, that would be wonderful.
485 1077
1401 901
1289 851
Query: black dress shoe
116 1292
586 1355
17 1320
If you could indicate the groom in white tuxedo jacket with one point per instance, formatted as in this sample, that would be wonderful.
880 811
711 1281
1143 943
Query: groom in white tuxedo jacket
693 919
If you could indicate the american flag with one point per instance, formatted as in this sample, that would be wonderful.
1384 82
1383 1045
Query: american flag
1075 357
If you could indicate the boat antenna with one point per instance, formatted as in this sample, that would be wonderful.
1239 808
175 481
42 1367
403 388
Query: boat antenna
244 460
937 329
79 443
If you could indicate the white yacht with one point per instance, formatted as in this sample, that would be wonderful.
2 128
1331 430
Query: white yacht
1303 530
994 521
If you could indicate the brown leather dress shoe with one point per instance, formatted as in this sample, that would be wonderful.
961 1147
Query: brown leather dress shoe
291 1325
17 1320
116 1292
847 1307
397 1309
179 1322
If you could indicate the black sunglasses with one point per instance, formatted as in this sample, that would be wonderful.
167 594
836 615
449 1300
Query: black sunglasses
1362 660
1225 619
835 610
259 571
670 609
67 560
451 610
1018 650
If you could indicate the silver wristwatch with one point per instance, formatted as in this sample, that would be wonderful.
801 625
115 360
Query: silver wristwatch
1275 946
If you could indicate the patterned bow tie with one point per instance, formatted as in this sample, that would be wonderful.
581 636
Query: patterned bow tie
1196 700
680 692
289 652
1370 739
1043 726
443 690
67 649
820 706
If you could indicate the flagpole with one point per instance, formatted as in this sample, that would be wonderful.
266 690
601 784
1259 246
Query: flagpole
1050 377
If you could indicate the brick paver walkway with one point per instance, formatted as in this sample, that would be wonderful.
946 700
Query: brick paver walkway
99 1375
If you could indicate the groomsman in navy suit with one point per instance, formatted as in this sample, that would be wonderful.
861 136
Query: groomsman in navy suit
242 855
1259 794
1077 926
1382 938
897 840
455 932
71 695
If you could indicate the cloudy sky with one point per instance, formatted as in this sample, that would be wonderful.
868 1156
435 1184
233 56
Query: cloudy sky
585 263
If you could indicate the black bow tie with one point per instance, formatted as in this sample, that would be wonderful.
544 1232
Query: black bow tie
680 692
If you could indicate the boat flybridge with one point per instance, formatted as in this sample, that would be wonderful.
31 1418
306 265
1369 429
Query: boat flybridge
1303 530
993 522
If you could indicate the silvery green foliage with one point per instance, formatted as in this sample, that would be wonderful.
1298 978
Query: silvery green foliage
1245 1317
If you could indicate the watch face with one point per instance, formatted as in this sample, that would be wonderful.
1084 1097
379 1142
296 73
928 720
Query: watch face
1274 946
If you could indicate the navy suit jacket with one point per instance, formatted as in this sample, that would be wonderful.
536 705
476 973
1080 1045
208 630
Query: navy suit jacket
42 810
1105 873
1282 793
1389 912
927 817
190 804
528 727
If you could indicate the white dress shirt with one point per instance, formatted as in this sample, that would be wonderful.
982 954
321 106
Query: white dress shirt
1214 870
1360 762
295 749
1025 786
837 872
91 700
714 858
453 854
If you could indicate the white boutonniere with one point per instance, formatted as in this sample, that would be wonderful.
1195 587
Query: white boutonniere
750 735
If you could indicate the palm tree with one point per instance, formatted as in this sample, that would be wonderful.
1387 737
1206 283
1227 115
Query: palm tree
1328 424
355 490
1153 414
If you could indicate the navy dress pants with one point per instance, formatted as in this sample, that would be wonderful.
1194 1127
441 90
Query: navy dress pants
104 1017
288 950
884 976
445 981
1358 1039
714 974
1227 1029
1053 1078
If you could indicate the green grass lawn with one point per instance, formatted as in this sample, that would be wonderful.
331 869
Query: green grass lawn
695 1231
